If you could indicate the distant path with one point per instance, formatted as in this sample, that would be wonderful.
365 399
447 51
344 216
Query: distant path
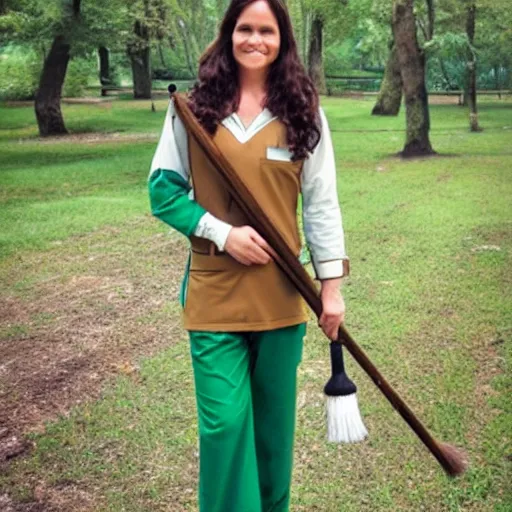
93 138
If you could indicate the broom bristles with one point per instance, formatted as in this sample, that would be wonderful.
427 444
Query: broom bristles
344 423
456 461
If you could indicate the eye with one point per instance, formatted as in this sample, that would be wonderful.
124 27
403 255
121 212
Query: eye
244 28
267 30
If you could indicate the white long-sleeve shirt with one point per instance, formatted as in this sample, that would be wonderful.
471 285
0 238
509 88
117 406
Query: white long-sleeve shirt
322 219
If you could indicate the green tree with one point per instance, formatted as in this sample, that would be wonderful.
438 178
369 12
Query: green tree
412 68
471 59
191 26
59 29
316 60
390 94
138 47
493 41
47 104
311 20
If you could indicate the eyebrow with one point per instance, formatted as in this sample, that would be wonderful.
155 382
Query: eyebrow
249 25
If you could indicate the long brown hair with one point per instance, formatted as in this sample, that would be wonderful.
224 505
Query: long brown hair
291 94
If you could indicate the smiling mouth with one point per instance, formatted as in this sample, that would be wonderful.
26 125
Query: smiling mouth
254 51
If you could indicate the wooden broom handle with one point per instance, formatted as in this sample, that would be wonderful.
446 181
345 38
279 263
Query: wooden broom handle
290 265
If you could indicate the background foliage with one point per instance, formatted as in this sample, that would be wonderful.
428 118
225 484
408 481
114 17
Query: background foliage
356 40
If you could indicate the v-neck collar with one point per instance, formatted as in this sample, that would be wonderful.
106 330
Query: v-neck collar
235 125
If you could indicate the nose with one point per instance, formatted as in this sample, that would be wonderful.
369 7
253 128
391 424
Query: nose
255 37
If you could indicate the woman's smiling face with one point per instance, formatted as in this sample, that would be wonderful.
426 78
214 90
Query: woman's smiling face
256 38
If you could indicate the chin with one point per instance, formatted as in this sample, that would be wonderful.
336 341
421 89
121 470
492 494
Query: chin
253 66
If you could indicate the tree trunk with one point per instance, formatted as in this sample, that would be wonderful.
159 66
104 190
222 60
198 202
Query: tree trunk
412 69
316 61
103 54
141 73
139 53
470 30
161 55
47 104
446 77
431 18
305 30
172 42
186 47
390 94
48 95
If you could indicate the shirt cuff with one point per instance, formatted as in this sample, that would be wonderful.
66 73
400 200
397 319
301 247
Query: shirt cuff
213 229
331 269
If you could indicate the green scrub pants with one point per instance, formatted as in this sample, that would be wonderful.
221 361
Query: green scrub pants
246 394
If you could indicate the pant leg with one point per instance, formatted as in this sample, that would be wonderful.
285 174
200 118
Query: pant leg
228 472
277 355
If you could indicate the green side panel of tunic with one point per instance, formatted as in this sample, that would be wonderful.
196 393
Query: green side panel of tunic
170 202
184 284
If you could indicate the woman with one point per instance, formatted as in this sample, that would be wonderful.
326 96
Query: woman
245 320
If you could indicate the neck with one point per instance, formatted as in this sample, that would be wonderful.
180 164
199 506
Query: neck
253 83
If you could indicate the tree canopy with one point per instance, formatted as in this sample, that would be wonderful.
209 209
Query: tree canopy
138 41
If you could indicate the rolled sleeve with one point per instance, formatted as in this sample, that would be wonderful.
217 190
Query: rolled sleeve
213 229
323 227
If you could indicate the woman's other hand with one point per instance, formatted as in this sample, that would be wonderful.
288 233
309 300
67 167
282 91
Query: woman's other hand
333 308
247 246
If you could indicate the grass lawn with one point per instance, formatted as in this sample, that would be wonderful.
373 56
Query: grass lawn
95 377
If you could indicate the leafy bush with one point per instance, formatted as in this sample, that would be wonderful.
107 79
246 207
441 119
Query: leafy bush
340 59
453 75
77 77
172 62
119 70
19 73
20 69
493 77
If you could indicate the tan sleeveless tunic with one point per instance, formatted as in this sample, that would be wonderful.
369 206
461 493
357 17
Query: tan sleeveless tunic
222 294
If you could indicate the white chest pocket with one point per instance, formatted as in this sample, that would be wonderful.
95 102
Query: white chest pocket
279 154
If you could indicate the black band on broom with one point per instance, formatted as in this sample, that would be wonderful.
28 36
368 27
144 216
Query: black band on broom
453 461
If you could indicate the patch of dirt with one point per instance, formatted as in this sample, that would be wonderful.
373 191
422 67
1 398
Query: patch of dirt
444 177
355 95
88 100
487 368
7 505
11 446
496 237
449 99
93 138
433 99
64 496
92 316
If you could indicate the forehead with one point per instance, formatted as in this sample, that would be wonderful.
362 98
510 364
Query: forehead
258 12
